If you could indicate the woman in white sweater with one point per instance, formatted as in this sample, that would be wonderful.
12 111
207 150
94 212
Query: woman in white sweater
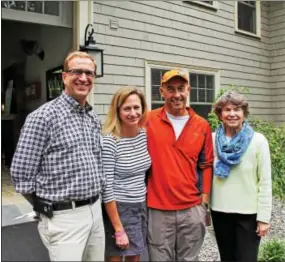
241 199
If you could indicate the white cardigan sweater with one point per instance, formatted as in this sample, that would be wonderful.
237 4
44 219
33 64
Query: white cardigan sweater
247 189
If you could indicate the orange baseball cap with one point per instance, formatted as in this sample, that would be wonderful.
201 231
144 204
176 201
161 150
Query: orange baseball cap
173 73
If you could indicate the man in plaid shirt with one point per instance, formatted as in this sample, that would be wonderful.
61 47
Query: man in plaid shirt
57 166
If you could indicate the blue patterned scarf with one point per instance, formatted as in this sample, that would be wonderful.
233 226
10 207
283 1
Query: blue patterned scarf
229 153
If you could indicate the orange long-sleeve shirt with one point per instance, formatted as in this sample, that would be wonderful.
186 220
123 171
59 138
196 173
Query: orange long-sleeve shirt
181 169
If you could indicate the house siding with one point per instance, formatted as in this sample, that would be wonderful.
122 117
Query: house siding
185 34
277 59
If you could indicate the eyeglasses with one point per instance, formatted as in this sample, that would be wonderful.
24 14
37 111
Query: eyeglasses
79 72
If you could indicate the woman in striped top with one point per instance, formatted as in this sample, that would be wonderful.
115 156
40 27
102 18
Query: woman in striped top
126 160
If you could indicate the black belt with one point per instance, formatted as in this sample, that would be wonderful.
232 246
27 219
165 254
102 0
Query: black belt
57 206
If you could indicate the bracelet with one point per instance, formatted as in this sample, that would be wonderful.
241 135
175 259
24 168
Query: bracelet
119 234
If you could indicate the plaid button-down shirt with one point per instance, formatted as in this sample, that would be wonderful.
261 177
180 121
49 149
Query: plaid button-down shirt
58 155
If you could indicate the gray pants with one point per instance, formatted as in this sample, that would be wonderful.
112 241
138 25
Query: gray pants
176 235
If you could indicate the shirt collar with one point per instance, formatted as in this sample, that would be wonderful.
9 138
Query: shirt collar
71 102
162 113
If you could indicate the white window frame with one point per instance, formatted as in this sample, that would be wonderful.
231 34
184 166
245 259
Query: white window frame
188 69
214 6
258 21
64 18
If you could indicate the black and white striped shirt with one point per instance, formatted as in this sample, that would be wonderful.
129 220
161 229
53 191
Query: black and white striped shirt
125 161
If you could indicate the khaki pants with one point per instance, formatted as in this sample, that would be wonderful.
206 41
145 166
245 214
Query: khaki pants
74 234
176 235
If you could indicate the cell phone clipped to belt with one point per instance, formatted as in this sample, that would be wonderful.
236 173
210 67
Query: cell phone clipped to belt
43 207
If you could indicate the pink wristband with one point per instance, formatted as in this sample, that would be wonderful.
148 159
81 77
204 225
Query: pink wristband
119 234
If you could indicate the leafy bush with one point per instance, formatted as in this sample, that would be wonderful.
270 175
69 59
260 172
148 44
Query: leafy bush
272 250
276 139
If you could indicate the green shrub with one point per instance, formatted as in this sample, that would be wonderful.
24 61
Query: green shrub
276 139
272 250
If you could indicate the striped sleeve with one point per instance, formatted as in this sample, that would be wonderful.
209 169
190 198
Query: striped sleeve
109 157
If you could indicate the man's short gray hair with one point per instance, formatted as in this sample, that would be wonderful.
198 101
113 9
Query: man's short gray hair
232 97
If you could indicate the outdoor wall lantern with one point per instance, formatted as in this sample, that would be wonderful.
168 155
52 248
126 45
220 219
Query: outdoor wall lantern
90 48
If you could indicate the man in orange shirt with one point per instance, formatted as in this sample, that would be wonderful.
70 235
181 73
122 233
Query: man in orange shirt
180 145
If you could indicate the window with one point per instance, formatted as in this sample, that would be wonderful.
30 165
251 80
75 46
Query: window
210 4
35 6
202 92
248 17
17 5
56 13
41 7
51 8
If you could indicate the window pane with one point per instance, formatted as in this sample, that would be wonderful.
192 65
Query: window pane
210 82
210 95
156 75
202 95
35 6
5 4
155 95
202 110
202 88
246 18
193 95
52 8
201 81
193 80
17 5
155 105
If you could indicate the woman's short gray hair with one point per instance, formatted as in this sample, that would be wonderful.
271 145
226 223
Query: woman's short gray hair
234 98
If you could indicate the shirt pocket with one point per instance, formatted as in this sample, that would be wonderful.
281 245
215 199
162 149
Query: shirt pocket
193 145
65 138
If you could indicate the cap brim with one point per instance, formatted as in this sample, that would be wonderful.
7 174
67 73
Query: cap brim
184 78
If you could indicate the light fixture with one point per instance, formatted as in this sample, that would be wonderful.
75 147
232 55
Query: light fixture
90 48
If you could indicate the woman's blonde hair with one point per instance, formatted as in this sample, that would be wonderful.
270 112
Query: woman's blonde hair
113 123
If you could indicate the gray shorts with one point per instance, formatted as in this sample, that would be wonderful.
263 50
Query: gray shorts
134 220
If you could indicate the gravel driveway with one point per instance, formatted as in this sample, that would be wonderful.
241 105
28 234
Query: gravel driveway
210 252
